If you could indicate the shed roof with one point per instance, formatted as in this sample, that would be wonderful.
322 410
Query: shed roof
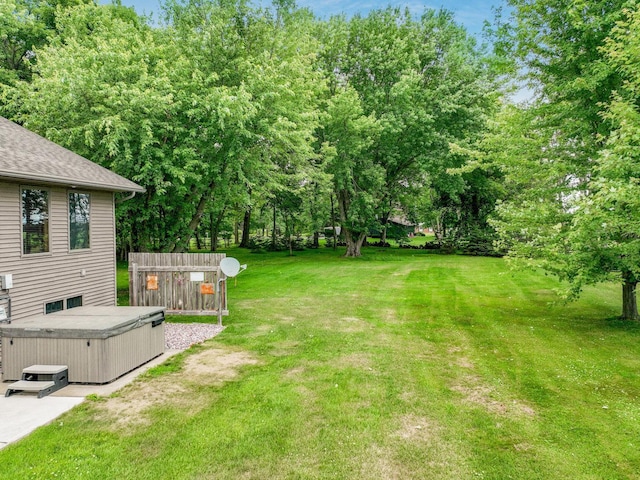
402 221
26 156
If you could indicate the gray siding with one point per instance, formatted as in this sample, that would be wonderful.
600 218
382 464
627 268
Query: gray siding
57 275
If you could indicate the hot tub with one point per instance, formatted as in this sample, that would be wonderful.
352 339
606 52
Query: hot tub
98 344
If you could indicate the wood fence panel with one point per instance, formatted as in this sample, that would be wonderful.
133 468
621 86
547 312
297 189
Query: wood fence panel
175 281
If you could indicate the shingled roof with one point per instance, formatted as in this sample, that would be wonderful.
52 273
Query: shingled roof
28 157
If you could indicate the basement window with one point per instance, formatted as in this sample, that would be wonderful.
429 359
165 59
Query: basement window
74 302
53 307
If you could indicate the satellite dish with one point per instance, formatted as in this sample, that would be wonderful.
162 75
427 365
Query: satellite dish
231 267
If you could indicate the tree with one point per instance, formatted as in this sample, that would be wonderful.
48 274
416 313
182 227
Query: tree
606 227
316 203
348 134
268 55
427 88
567 158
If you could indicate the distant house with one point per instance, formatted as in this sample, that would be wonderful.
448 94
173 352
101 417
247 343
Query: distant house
401 223
57 225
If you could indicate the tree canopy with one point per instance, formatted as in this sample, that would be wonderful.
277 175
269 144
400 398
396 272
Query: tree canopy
425 86
569 157
227 107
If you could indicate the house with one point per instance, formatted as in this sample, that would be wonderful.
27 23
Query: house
400 223
57 225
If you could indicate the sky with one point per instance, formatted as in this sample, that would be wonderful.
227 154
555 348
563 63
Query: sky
471 13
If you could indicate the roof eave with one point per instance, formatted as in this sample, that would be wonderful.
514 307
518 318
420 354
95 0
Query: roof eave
51 180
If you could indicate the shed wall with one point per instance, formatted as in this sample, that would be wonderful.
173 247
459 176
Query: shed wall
57 275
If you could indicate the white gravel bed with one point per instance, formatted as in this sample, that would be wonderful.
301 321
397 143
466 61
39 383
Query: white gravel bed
180 336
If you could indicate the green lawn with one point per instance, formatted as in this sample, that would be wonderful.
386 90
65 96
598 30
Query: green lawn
122 281
398 365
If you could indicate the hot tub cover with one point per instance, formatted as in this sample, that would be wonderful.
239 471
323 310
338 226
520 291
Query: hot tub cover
84 322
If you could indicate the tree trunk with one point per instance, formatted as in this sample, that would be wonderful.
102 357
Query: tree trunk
215 230
438 229
183 244
316 239
333 224
246 228
385 223
214 236
354 239
629 301
273 232
354 243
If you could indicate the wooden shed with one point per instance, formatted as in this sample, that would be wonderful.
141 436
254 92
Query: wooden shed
57 225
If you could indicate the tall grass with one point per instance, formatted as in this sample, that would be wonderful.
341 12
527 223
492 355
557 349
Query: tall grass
400 364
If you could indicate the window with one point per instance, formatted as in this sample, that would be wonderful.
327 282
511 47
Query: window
52 307
74 302
79 206
35 220
58 305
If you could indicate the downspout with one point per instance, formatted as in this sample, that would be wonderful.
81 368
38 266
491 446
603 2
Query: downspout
128 197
